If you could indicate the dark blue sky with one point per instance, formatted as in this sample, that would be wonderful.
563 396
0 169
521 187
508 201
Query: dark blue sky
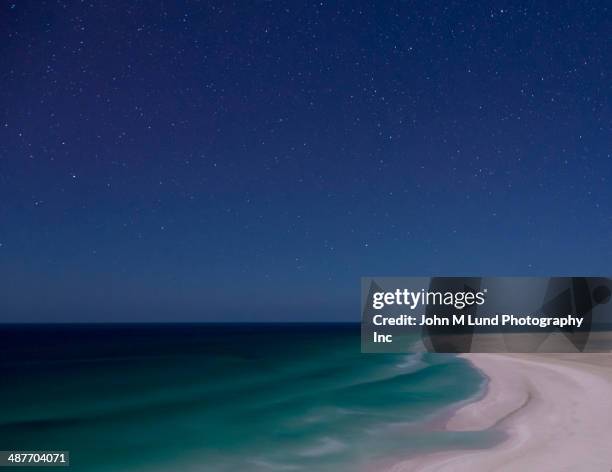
252 160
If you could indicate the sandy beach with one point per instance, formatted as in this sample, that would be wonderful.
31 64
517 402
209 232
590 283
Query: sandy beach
556 410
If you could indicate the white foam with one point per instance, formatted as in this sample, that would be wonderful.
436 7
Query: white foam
325 446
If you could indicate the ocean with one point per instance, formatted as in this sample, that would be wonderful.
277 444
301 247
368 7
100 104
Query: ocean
225 397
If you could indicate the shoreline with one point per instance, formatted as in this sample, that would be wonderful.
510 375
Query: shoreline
555 410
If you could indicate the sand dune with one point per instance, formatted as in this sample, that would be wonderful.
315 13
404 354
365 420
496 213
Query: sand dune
556 410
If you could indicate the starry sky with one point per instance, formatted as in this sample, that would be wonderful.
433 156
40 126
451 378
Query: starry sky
250 161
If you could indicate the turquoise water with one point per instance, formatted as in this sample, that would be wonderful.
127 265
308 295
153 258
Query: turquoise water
224 397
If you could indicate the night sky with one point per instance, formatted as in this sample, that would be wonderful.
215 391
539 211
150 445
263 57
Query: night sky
252 160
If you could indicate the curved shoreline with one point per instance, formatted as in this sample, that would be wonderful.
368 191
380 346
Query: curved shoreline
556 411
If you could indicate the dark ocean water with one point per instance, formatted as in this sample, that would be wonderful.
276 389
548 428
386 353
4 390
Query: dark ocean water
223 397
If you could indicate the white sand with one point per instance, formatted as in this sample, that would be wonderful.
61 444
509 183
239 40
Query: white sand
556 410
